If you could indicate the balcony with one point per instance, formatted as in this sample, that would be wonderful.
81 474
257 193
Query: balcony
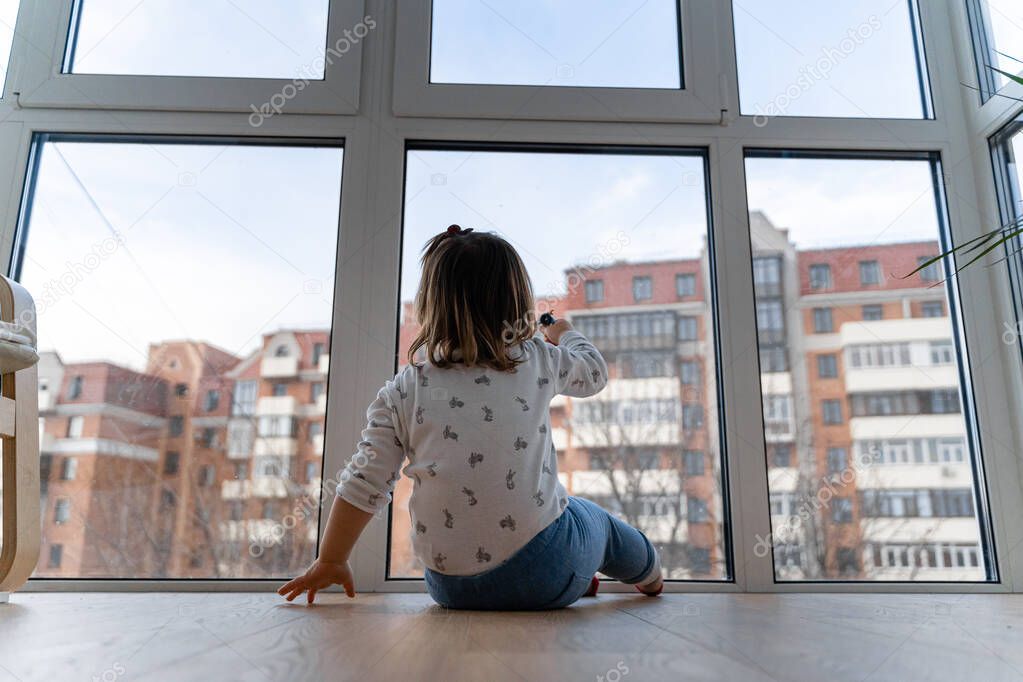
274 367
881 379
276 446
268 487
901 427
277 405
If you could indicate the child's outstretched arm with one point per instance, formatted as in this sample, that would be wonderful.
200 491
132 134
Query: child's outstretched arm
344 527
365 488
578 367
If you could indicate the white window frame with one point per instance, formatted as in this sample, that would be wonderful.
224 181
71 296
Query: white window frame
699 101
395 110
40 50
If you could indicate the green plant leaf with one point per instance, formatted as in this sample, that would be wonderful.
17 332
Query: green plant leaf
1013 77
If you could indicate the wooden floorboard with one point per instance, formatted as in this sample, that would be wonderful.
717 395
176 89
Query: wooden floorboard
617 638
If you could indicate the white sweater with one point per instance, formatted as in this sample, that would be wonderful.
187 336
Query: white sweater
478 444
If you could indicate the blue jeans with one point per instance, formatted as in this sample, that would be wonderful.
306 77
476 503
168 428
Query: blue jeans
554 568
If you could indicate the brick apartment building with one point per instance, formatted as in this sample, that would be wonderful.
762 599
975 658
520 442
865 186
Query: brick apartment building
208 465
184 469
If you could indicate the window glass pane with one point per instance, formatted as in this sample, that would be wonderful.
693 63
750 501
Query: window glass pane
1003 21
8 18
222 38
625 447
798 63
159 265
566 43
867 432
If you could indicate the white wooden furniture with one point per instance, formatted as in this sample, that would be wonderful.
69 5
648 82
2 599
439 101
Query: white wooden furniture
19 431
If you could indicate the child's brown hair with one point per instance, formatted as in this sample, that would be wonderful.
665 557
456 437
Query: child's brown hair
474 298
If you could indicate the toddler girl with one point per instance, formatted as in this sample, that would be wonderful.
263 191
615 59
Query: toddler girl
490 520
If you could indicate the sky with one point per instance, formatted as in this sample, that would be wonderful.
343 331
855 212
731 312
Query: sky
223 244
1006 18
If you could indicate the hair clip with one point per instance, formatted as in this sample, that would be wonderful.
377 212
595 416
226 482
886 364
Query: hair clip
455 229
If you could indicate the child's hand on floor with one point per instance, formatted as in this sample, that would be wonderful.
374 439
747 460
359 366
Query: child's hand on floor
318 576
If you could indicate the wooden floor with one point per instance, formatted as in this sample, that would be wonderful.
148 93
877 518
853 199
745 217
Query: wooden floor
189 636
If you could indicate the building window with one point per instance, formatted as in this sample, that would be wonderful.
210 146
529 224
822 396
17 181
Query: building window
687 329
837 460
282 351
177 426
171 463
774 359
315 430
268 509
207 475
241 471
841 510
690 372
312 471
243 403
932 309
820 276
318 351
642 288
692 416
822 321
316 390
782 456
685 285
75 426
942 353
280 390
831 411
873 313
767 275
181 390
594 290
62 511
236 510
212 401
694 462
696 510
168 500
209 437
827 366
56 556
870 273
68 469
931 273
280 426
770 321
74 389
848 560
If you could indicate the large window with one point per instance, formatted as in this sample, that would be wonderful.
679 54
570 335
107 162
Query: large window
825 62
210 38
567 43
8 18
998 42
162 277
889 392
573 216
